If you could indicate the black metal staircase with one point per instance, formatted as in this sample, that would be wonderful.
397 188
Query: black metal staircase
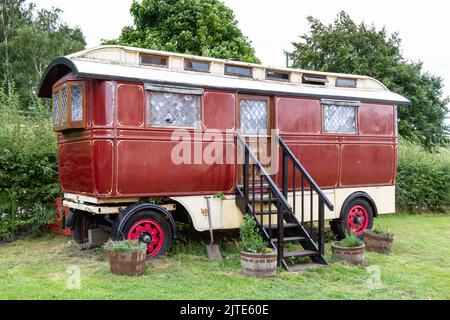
291 235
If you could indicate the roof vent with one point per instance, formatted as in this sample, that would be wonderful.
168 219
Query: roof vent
314 79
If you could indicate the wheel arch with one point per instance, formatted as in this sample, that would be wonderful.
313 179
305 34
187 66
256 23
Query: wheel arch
133 209
362 195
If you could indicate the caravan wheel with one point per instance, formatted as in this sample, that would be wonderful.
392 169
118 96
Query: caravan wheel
151 228
357 217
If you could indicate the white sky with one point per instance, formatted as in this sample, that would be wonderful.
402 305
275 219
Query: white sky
273 25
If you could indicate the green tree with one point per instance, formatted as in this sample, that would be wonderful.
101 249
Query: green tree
29 40
347 47
199 27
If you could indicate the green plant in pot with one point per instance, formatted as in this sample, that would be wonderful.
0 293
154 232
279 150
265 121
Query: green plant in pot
380 239
126 257
256 258
350 249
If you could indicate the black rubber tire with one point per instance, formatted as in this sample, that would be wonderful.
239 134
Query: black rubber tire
145 215
80 227
340 226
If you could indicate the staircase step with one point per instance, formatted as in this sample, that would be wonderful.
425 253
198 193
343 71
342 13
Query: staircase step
257 185
305 266
286 225
291 239
265 198
304 253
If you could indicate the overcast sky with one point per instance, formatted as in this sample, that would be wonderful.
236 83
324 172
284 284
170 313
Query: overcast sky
273 25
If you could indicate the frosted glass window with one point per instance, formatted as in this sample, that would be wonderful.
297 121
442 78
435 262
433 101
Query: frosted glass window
56 108
77 102
64 104
173 109
253 116
340 119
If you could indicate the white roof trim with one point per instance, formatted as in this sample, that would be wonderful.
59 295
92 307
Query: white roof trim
104 70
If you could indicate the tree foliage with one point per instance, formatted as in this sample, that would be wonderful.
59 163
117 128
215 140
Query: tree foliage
29 40
347 47
199 27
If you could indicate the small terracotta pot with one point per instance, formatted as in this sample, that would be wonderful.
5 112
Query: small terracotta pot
127 263
378 242
353 255
263 265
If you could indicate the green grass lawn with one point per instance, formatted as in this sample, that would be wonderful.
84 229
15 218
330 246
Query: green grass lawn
418 268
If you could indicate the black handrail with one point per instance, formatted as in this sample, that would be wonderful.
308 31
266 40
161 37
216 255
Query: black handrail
281 197
305 173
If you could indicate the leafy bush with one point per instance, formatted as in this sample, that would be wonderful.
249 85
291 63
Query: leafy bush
124 246
28 168
250 239
350 241
423 182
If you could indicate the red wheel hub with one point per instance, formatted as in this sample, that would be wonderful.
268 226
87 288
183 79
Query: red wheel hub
358 219
150 232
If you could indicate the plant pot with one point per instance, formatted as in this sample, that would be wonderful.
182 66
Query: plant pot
127 263
263 265
378 242
352 255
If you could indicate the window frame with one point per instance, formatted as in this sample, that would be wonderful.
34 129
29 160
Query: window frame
166 65
346 79
269 114
234 74
187 68
340 103
308 79
69 123
196 92
289 74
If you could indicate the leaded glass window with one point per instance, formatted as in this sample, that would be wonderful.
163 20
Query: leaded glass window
56 108
174 109
253 116
340 118
77 102
64 104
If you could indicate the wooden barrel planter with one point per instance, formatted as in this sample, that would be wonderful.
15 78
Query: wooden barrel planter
127 263
381 243
263 265
352 255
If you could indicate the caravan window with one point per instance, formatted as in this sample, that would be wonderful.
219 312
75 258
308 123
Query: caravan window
340 117
69 106
174 109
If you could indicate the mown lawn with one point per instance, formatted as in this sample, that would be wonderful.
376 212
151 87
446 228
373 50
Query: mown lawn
418 268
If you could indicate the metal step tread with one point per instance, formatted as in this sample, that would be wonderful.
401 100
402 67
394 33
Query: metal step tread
286 225
303 253
257 185
304 266
291 239
265 198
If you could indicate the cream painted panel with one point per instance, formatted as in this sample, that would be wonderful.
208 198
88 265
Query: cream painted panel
110 54
226 215
176 63
259 74
296 77
217 68
384 197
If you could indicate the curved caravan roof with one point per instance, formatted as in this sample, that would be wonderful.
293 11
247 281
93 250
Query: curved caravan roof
124 63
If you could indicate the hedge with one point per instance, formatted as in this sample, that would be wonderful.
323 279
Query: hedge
28 170
423 181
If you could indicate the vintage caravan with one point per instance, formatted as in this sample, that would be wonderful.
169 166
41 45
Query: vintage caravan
147 138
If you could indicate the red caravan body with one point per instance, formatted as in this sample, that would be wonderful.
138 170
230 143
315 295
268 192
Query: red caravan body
119 155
